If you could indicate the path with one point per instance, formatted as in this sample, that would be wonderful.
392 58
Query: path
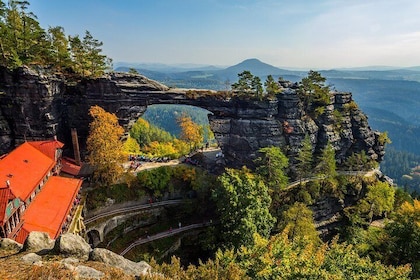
163 235
126 209
345 173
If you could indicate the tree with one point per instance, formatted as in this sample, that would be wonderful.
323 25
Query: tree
96 62
140 132
327 168
279 258
60 55
104 145
131 146
327 165
243 203
248 84
297 222
271 86
404 244
313 90
272 164
379 200
132 70
305 158
256 86
191 132
244 83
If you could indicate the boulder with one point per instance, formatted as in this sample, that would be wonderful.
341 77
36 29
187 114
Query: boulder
31 258
9 245
72 245
39 242
113 259
86 272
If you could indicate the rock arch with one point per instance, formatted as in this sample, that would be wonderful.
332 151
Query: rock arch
35 106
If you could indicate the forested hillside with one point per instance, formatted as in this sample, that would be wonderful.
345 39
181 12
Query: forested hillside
288 216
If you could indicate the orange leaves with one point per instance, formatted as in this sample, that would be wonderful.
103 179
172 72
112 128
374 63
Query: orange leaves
104 145
190 131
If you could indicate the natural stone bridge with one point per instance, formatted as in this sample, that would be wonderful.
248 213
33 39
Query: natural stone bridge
33 105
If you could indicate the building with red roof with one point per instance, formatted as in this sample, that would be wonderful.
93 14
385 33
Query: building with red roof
32 196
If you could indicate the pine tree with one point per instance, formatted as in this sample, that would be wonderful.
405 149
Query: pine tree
271 86
305 159
272 165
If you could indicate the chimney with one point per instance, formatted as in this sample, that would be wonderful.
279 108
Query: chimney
8 183
76 148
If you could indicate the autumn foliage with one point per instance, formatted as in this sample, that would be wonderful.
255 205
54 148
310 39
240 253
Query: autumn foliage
191 132
104 145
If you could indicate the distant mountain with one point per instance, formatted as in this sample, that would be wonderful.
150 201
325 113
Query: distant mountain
166 68
368 68
257 68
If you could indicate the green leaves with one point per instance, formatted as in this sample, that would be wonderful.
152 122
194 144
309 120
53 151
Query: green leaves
24 42
272 165
243 203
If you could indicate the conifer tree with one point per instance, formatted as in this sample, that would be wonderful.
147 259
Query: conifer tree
271 86
272 165
305 158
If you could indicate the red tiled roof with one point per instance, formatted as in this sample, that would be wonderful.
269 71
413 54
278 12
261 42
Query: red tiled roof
22 235
49 209
24 168
70 167
5 195
47 147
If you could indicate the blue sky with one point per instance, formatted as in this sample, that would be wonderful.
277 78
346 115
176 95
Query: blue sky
289 33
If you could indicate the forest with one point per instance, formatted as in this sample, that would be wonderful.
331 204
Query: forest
264 224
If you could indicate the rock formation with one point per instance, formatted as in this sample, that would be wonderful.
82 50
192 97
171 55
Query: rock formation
38 106
76 254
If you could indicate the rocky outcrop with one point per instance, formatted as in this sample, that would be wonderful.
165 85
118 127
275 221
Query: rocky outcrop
9 245
72 245
34 106
129 267
78 257
38 242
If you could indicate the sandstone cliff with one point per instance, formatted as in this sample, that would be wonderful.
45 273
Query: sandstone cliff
37 106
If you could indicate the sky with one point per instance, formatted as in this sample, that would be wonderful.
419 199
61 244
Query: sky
285 33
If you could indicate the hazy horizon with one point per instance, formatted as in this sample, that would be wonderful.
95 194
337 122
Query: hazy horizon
303 34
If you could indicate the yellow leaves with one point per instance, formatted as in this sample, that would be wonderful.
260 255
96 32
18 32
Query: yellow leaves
190 131
104 145
143 123
131 146
411 210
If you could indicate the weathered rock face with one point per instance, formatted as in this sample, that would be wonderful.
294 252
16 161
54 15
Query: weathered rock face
113 259
38 242
36 106
73 245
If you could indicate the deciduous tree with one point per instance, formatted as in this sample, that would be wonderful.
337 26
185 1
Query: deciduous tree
105 146
190 131
404 244
243 203
298 223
